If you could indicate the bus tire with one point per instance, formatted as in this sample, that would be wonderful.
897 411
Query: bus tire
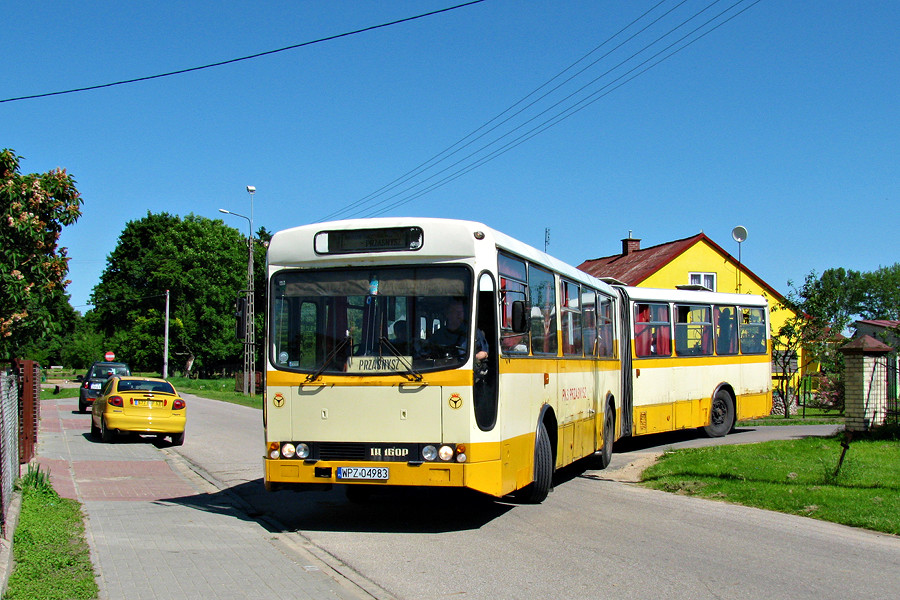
540 488
603 456
721 415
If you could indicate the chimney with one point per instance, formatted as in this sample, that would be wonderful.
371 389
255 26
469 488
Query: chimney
630 245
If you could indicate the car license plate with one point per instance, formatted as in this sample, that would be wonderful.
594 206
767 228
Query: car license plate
146 402
96 386
371 473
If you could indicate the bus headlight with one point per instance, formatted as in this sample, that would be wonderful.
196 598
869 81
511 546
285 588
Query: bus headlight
446 453
429 453
287 450
302 450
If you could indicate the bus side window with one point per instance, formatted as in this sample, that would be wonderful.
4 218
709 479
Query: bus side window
513 274
753 331
652 330
542 294
726 330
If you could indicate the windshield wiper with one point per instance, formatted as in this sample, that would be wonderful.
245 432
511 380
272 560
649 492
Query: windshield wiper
313 376
411 373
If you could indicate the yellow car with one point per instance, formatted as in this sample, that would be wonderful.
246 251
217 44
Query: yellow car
138 405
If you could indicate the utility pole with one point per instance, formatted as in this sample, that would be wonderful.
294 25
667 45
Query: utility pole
249 386
166 341
250 341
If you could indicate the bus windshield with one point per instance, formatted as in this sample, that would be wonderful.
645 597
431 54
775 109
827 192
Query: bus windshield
363 321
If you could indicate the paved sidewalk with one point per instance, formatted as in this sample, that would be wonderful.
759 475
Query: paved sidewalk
158 530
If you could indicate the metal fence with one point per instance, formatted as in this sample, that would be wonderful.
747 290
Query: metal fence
9 441
882 405
891 392
20 407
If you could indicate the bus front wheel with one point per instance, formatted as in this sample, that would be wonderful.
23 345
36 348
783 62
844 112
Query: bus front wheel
539 489
721 415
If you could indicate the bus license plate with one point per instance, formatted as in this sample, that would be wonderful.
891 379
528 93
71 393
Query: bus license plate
371 473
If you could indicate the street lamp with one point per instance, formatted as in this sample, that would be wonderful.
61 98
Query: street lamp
250 331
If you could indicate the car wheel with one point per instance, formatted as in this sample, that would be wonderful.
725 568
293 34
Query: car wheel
82 407
106 434
95 431
178 439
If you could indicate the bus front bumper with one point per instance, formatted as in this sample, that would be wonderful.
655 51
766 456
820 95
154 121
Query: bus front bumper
281 473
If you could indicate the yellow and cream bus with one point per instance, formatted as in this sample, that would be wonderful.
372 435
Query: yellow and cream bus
437 352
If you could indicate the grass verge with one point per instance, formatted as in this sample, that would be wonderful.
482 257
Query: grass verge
52 559
808 416
796 476
215 389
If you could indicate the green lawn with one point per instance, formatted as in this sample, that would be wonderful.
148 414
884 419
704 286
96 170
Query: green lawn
52 559
796 476
809 416
216 389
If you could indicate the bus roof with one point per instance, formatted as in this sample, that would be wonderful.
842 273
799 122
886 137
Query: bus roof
638 294
457 240
454 239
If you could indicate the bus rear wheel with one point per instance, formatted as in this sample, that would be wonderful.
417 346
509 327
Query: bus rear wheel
539 489
603 456
721 415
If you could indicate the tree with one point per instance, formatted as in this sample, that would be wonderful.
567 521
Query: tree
33 210
825 306
881 294
202 263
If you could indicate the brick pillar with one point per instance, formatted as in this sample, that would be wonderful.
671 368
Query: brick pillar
863 383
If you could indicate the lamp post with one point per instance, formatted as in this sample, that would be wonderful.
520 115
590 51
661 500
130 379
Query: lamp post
250 332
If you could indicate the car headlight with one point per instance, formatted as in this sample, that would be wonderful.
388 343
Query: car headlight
288 450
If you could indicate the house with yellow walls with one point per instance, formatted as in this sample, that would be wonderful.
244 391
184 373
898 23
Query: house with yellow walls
696 260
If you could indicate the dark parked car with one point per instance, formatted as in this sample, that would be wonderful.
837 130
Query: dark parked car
94 380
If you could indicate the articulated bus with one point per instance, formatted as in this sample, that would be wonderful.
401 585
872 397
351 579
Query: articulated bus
437 352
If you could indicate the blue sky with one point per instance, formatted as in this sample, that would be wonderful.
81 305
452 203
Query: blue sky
785 120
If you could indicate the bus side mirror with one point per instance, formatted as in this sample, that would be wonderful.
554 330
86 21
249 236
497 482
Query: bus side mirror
519 320
240 318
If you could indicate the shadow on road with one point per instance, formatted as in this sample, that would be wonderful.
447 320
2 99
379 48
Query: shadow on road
387 510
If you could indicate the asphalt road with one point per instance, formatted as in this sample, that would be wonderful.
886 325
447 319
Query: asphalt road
596 536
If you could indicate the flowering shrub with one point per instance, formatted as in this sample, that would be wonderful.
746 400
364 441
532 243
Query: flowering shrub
33 210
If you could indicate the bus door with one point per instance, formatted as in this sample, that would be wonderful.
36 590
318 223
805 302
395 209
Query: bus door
627 413
485 377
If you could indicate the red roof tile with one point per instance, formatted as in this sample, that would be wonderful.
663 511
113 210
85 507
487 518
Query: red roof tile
638 265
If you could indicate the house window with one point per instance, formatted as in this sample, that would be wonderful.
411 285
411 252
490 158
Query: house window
707 280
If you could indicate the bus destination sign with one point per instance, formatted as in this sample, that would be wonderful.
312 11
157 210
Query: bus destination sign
378 364
355 241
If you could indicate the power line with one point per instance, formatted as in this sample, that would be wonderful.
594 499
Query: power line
446 153
564 113
243 58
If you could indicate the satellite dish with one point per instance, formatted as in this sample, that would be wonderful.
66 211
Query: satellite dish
739 233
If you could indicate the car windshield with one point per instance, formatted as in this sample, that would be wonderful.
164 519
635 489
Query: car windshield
107 371
368 321
132 385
